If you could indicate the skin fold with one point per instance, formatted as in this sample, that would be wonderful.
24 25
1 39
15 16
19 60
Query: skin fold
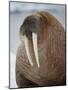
48 60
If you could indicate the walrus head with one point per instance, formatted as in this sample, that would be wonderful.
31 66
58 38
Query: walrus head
35 31
30 28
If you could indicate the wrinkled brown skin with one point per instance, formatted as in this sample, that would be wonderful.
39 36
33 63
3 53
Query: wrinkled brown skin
51 49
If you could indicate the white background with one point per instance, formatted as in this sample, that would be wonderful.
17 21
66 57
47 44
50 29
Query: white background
4 44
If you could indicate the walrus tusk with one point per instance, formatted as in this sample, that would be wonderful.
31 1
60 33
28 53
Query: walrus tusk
34 38
27 48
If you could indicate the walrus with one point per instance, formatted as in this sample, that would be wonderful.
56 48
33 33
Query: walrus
40 59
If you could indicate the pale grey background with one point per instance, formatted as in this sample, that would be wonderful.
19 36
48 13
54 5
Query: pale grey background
19 11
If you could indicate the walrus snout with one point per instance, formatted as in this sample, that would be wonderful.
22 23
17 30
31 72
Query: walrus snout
29 29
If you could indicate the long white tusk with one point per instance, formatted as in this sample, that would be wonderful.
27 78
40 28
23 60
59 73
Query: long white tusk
27 47
34 38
